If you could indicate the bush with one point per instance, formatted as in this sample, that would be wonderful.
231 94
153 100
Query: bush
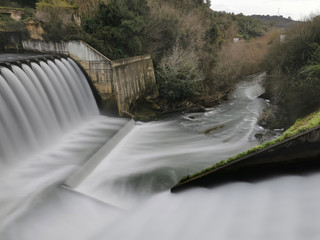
179 74
236 60
293 81
120 26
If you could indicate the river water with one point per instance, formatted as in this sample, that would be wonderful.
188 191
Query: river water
128 195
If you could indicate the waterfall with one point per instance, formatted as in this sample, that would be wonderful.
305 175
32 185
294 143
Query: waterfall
49 126
39 103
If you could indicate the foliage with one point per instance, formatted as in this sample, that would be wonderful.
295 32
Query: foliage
187 5
86 8
10 25
18 3
120 24
47 5
179 74
248 27
58 31
198 29
56 25
28 13
236 60
232 25
161 30
275 21
293 81
122 28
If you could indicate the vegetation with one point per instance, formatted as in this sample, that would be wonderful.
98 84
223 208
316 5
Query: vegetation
48 5
179 74
275 21
241 59
8 24
192 46
119 27
293 81
18 3
195 57
300 126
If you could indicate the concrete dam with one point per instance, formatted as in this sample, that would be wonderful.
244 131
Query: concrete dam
120 83
68 172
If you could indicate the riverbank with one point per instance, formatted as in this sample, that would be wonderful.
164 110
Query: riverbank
159 108
299 142
149 109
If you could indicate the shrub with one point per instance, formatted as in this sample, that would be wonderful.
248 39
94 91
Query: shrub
120 25
236 60
293 71
179 74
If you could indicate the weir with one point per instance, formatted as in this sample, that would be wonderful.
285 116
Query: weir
48 117
50 127
119 82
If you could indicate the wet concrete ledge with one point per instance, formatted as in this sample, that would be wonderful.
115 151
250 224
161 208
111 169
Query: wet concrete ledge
16 57
299 154
6 60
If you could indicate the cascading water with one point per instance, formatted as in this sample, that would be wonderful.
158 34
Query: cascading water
50 125
136 176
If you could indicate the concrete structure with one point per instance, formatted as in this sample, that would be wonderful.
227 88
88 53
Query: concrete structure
11 41
14 13
282 38
299 153
236 40
76 178
122 81
133 78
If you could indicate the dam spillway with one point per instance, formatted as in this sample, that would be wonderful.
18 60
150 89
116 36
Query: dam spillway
49 125
136 176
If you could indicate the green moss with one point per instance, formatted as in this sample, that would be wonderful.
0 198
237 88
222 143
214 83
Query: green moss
301 125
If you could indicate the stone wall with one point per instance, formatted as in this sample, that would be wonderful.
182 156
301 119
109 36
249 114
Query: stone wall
122 81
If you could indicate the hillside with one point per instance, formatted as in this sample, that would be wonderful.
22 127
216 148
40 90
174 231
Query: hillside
293 73
276 21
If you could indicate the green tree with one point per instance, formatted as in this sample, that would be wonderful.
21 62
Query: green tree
27 3
120 24
293 71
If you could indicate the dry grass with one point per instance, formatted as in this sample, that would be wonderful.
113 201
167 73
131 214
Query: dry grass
236 60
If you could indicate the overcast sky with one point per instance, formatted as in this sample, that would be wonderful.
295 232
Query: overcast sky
297 9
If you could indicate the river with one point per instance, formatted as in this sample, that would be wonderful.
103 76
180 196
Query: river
128 195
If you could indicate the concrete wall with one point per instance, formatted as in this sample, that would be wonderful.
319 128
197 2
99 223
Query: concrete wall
124 80
134 78
11 41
